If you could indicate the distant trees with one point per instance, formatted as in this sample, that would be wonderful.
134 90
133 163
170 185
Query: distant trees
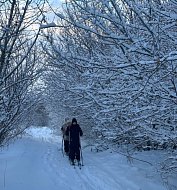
19 61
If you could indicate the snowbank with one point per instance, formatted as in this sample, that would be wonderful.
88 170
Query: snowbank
43 133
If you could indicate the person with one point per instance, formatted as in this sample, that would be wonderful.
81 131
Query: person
74 132
66 137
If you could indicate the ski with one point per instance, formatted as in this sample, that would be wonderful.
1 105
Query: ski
73 165
78 164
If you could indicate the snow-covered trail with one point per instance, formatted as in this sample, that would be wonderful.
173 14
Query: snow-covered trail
23 167
32 164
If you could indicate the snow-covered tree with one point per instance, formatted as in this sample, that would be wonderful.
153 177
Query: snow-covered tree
117 63
18 61
115 68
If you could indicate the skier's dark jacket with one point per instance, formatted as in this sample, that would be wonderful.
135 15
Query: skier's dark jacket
74 132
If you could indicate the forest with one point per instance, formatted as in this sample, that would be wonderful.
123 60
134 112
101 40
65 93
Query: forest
110 63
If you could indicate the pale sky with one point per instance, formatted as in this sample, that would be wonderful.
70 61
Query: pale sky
56 4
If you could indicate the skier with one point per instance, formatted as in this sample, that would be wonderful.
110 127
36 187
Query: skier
66 137
74 132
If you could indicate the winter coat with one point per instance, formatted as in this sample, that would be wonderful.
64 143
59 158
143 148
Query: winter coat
74 132
63 129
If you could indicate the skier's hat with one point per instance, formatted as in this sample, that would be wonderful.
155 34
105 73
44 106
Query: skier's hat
74 120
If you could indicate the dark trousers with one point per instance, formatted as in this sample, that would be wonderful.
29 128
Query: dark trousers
74 152
66 146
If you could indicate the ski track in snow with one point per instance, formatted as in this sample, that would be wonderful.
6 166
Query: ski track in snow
58 167
86 178
95 175
34 164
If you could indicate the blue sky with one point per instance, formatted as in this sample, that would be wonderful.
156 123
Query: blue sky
55 5
56 2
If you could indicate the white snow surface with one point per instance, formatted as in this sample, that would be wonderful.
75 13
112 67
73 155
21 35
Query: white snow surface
36 162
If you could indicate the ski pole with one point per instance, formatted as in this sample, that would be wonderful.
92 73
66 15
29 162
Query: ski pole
69 142
81 152
81 156
62 146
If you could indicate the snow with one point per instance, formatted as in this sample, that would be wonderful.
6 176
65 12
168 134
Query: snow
60 15
52 24
36 162
43 134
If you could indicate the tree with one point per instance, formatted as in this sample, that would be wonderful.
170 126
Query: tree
18 61
117 62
